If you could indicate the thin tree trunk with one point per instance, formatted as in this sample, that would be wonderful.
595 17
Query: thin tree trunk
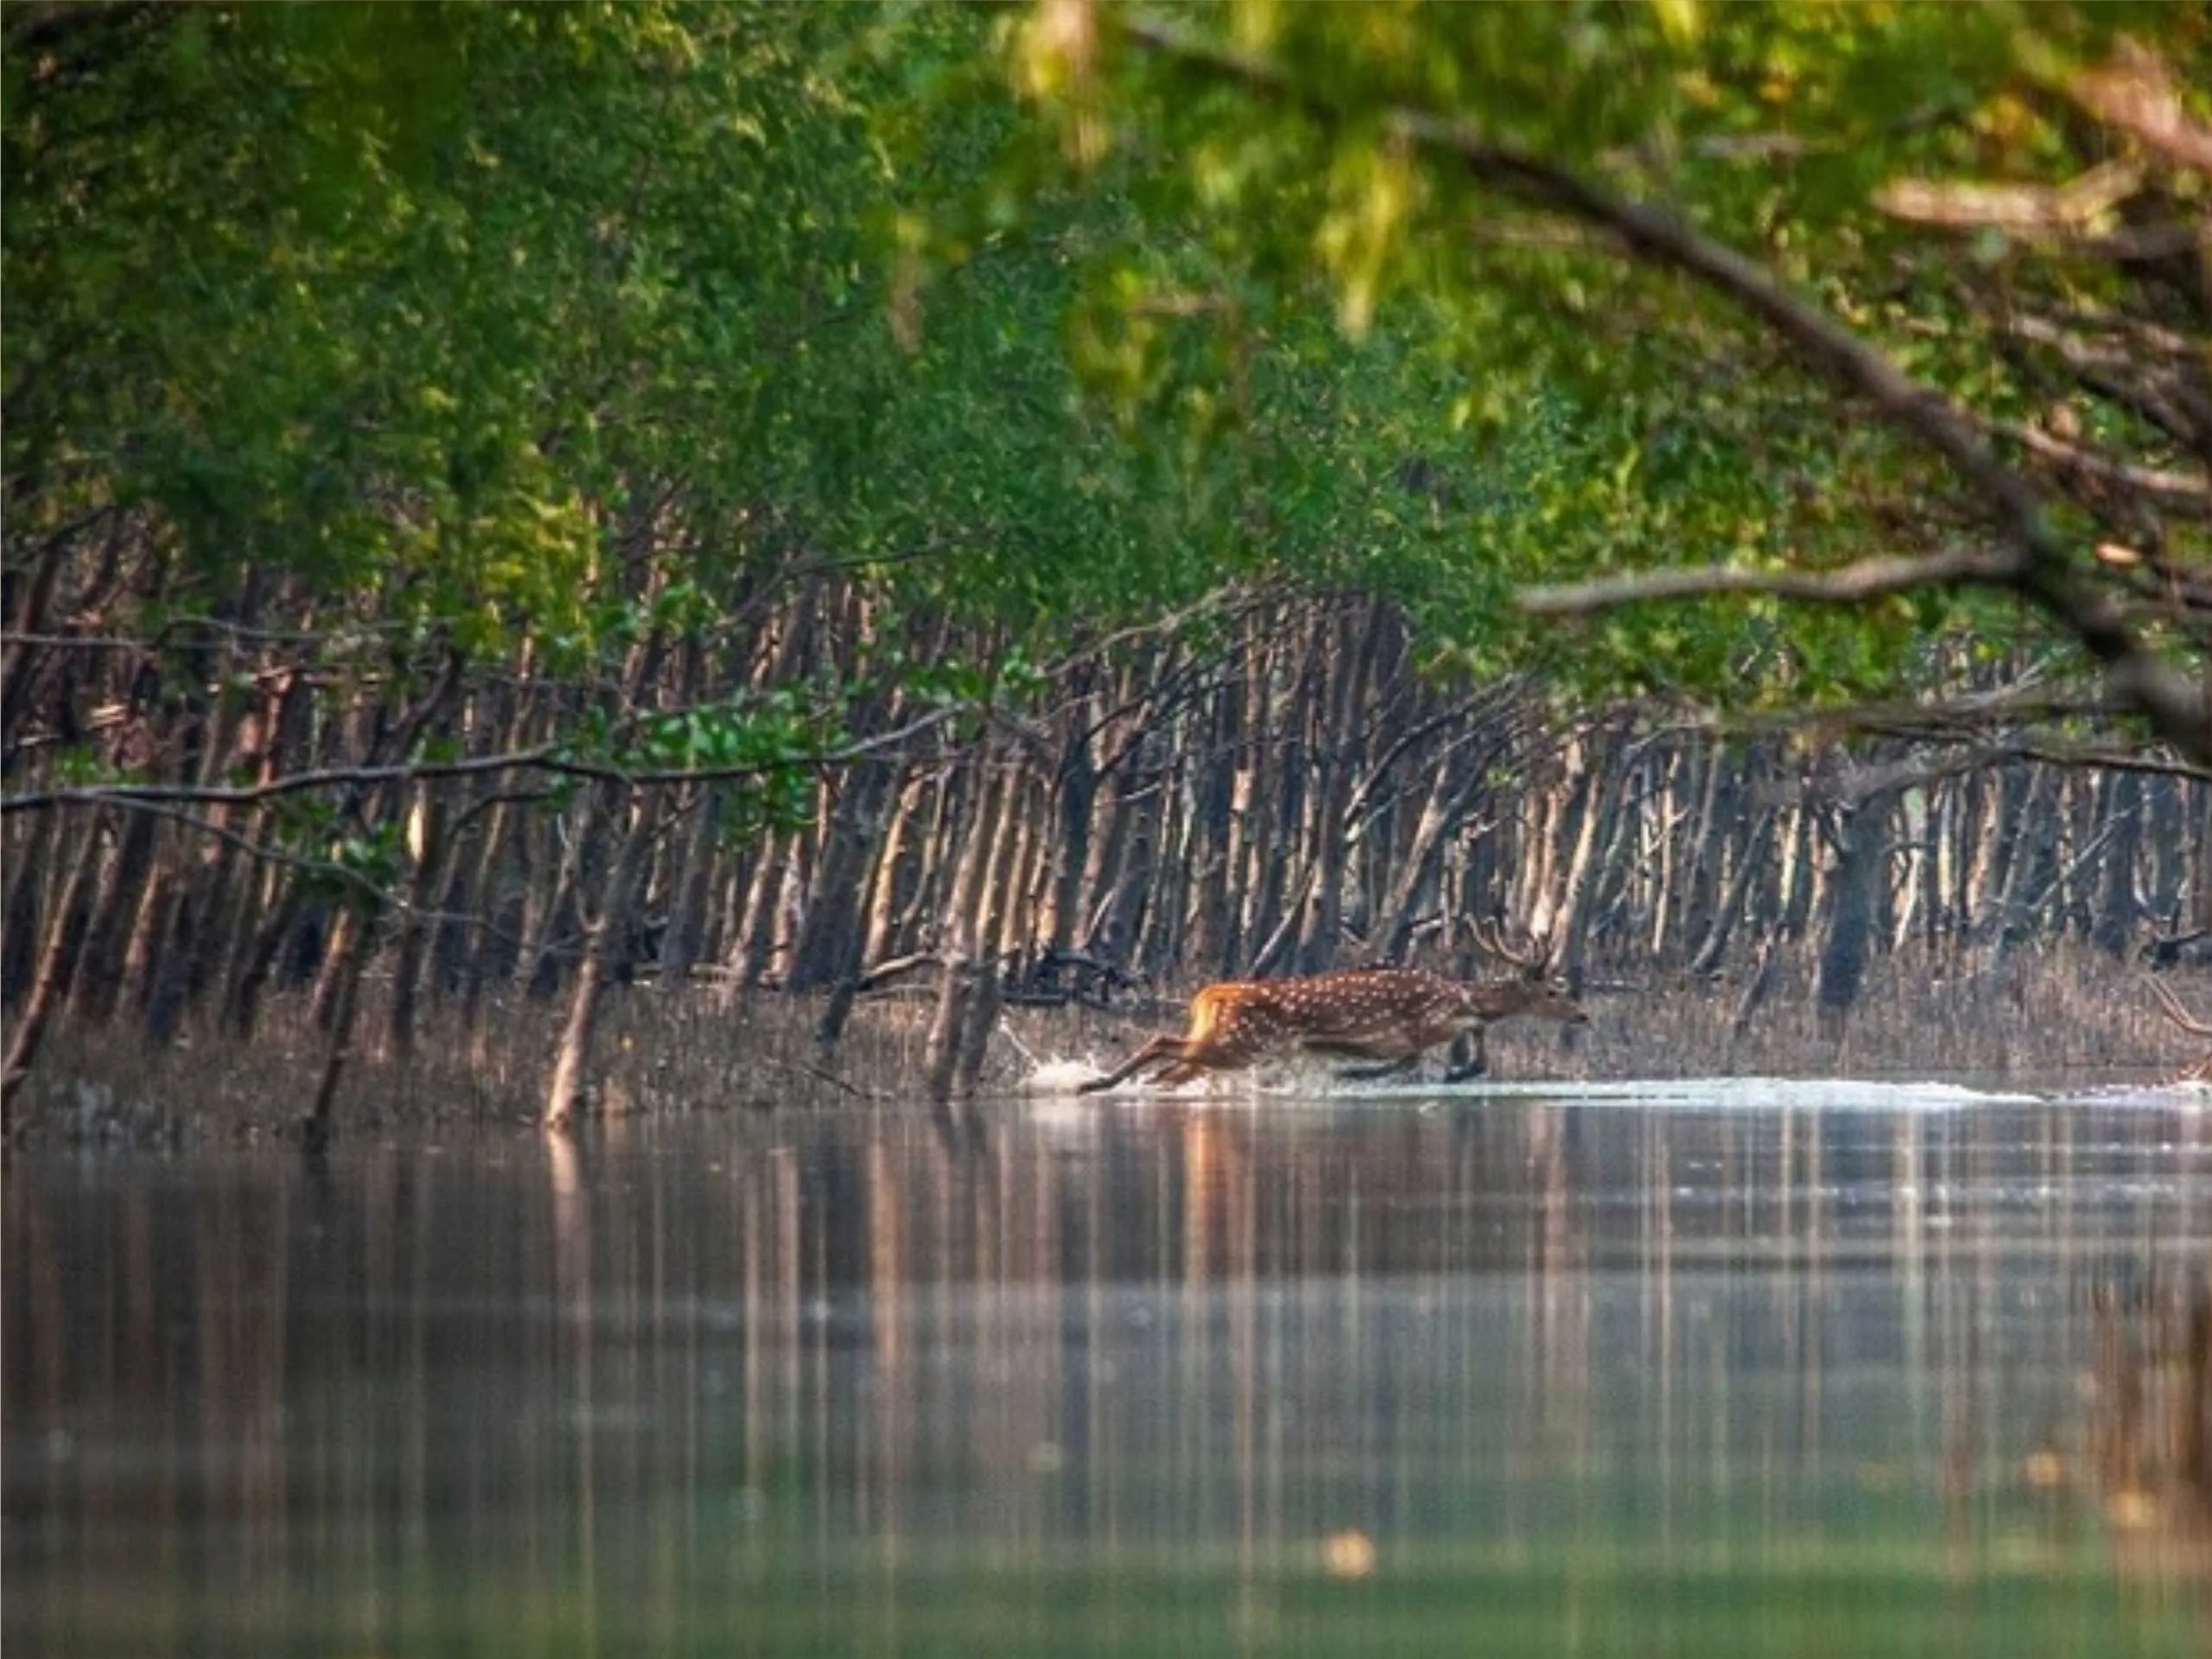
2114 925
411 949
573 1055
352 942
98 985
948 1031
1728 910
828 945
1854 903
50 982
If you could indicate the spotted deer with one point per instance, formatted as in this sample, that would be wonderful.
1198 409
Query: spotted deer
1390 1015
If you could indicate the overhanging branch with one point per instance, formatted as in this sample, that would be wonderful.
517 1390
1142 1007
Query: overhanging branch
2035 561
1854 584
548 758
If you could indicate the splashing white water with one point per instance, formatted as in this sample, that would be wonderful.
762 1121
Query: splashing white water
1739 1093
1068 1076
1064 1078
1059 1077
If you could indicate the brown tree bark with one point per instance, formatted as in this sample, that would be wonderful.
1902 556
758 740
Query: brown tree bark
56 962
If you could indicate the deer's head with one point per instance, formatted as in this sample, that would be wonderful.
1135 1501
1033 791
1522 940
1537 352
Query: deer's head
1535 989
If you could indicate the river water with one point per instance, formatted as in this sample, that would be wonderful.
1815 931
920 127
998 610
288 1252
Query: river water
1782 1369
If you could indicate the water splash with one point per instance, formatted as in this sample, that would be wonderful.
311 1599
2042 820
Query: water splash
1718 1094
1296 1082
1059 1077
2183 1092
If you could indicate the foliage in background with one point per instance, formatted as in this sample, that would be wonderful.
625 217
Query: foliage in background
2007 206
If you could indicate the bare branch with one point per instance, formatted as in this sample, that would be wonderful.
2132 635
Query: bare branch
2159 393
2013 723
2020 209
2135 93
262 852
1854 584
2184 491
547 758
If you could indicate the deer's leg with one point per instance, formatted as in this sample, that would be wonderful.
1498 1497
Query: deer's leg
1160 1048
1217 1052
1469 1057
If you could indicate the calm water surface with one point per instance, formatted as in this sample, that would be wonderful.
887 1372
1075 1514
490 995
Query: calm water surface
1517 1376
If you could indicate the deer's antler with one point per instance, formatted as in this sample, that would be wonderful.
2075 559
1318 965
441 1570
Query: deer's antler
1491 937
2175 1012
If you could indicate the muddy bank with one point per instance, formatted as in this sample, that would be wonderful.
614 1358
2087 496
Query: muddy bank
2046 1022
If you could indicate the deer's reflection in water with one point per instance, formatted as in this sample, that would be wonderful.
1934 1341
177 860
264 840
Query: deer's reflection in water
822 1368
2148 1448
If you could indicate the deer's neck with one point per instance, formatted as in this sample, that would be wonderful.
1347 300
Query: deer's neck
1499 1001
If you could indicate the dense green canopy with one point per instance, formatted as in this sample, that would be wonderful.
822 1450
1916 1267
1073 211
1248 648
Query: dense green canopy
1898 307
489 323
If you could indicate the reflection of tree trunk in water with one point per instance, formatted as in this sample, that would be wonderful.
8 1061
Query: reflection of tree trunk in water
2150 1433
888 1298
573 1294
1241 1291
